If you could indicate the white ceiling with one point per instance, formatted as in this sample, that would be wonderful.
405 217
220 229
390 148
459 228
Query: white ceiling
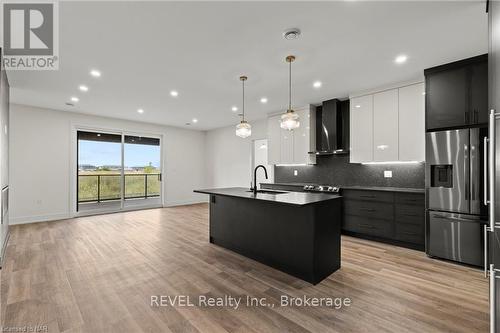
146 49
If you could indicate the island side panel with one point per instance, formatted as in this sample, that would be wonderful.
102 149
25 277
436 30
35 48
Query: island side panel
275 234
328 218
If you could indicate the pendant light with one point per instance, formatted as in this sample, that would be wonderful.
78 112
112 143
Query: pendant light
243 129
290 120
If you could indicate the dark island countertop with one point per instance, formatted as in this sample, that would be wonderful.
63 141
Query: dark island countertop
290 198
356 187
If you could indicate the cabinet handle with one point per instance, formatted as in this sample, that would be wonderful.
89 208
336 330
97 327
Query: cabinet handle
367 196
369 226
476 118
368 209
409 215
466 116
408 233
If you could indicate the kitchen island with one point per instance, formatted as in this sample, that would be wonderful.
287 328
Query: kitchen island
295 232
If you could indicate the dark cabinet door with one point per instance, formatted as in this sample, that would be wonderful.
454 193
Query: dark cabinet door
447 99
479 92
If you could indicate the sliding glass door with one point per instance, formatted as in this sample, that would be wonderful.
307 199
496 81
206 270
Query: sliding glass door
142 170
117 171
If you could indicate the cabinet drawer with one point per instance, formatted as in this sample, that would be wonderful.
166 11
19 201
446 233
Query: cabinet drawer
409 214
368 195
367 226
410 233
411 199
374 210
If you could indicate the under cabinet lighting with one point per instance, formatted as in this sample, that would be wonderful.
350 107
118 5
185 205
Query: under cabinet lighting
392 162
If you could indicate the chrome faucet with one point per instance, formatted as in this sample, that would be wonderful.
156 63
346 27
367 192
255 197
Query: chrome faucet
255 177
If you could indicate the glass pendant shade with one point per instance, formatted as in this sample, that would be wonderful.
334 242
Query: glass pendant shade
243 129
290 120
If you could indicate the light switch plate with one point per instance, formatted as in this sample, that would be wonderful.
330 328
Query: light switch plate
295 172
388 173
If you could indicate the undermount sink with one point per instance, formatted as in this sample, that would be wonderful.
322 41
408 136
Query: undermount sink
268 192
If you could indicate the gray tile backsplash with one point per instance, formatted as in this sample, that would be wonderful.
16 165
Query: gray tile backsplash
338 171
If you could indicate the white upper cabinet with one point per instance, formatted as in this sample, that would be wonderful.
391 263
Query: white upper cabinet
286 147
273 140
388 126
304 139
385 126
412 123
361 129
292 147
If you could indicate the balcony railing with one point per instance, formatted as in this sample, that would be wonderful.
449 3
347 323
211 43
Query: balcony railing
106 187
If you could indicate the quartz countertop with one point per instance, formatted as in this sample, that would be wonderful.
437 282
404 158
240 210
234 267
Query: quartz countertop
290 198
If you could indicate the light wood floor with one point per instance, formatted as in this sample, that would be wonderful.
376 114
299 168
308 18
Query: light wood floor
97 274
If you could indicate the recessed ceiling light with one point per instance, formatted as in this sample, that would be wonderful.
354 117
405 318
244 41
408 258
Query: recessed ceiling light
400 59
317 84
98 134
95 73
140 110
74 99
234 108
83 88
195 120
263 100
357 106
174 93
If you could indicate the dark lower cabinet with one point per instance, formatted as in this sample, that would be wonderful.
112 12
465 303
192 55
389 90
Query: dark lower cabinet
457 94
392 217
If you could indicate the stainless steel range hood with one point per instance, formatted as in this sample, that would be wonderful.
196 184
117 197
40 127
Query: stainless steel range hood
332 128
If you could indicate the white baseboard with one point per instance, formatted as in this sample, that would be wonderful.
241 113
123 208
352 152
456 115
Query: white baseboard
183 203
38 218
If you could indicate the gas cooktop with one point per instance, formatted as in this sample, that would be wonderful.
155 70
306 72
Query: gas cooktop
321 188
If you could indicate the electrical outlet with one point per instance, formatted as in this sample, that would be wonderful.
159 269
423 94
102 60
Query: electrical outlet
295 172
388 174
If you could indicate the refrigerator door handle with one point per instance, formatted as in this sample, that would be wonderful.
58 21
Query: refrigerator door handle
485 170
466 173
485 251
491 168
492 298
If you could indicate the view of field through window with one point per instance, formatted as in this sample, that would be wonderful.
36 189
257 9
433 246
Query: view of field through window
99 167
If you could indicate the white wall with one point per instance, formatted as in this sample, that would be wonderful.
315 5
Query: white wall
229 158
40 161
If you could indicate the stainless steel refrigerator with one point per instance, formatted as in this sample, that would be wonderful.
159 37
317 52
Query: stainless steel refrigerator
4 160
456 214
492 230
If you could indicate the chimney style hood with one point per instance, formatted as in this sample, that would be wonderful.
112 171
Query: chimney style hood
332 128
